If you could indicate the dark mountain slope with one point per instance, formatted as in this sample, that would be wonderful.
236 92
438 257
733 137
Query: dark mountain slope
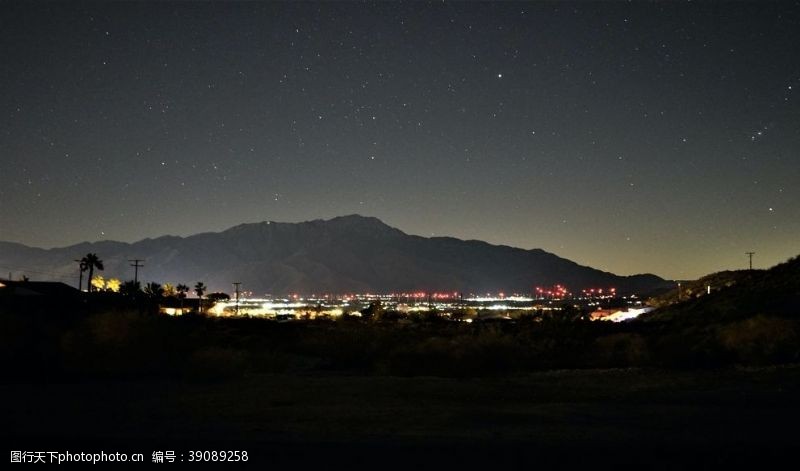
743 294
344 254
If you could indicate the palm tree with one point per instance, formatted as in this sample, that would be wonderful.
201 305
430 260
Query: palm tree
91 261
199 289
130 288
182 289
153 290
169 290
83 268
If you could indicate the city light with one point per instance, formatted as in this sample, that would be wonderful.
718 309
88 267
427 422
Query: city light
447 304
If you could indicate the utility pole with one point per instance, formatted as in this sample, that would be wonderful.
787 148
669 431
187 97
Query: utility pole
136 265
750 255
236 285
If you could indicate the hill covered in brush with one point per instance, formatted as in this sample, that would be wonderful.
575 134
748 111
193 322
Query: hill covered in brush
735 295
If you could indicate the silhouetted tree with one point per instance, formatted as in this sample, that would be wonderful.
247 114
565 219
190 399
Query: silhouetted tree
99 283
373 310
182 289
391 315
83 267
91 261
154 290
169 290
216 297
569 313
113 285
458 314
199 289
130 288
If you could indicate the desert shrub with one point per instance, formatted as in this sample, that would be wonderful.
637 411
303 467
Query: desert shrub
215 364
528 316
110 344
456 351
16 337
112 328
690 347
433 356
619 350
761 340
391 315
493 351
349 345
277 361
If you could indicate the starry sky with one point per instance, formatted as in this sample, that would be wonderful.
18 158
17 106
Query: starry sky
643 137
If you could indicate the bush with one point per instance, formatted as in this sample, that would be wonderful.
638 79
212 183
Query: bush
761 340
620 350
216 364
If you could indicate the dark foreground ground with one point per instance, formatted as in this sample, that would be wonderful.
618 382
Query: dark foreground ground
598 418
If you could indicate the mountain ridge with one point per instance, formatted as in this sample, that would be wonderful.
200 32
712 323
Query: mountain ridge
350 253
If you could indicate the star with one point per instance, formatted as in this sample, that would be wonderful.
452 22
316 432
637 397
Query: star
167 110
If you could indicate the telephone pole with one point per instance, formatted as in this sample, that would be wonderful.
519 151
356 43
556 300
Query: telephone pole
136 265
750 254
236 285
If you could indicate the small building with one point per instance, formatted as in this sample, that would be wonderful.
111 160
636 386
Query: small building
173 306
23 289
47 297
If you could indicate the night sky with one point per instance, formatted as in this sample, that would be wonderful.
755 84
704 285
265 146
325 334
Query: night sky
657 138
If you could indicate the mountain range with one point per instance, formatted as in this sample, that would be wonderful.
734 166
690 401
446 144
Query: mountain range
348 254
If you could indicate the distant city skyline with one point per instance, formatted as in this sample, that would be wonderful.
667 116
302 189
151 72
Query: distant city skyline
633 138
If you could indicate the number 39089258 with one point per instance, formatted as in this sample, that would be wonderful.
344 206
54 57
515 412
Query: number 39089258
197 455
